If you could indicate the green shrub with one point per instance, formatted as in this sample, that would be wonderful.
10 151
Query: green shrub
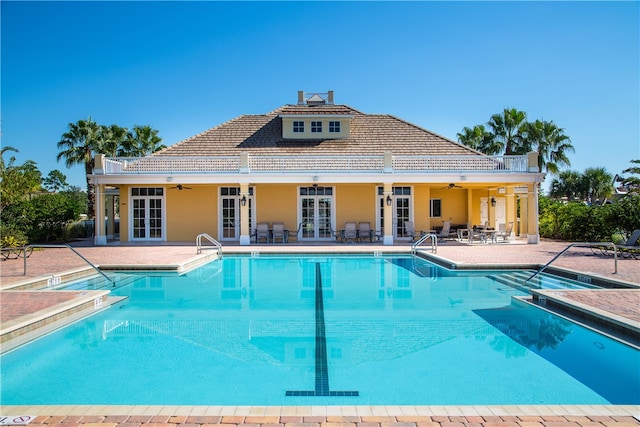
12 237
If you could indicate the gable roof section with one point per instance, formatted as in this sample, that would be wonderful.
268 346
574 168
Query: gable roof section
371 134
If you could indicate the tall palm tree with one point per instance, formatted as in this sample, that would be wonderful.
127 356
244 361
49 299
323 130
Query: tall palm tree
78 145
140 141
508 128
550 142
479 138
112 138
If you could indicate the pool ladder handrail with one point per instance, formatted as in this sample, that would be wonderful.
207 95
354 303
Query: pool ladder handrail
74 251
582 244
434 243
217 244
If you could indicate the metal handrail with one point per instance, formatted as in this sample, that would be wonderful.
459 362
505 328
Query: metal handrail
73 250
217 244
434 243
586 245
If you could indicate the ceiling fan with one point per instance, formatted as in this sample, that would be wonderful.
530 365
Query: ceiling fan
451 185
180 187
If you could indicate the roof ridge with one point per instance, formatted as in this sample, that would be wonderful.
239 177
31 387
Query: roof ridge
323 106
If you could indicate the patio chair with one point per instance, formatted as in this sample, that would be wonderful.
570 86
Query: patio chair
365 231
504 232
463 233
477 233
410 230
262 232
350 232
278 232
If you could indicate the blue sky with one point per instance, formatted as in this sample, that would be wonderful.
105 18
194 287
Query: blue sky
184 67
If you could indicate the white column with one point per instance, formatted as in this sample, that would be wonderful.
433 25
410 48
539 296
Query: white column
100 236
111 221
533 235
388 214
245 237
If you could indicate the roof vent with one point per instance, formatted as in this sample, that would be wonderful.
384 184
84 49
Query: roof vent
315 98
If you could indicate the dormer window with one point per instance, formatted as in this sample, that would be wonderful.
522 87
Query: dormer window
334 127
316 127
298 126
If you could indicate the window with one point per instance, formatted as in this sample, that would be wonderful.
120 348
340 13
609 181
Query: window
151 191
435 208
334 127
298 127
316 127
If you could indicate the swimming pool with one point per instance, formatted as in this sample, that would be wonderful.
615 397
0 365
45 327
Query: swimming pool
321 330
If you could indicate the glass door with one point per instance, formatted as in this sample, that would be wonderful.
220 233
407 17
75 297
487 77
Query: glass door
147 213
401 202
316 213
230 200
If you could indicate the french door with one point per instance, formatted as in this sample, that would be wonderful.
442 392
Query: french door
316 213
401 202
147 213
230 201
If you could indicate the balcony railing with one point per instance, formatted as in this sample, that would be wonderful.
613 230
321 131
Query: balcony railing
260 164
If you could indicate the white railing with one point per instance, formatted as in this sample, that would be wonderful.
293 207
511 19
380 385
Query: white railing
171 165
312 164
316 164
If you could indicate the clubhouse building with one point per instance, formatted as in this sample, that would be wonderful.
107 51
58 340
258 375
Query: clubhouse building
312 166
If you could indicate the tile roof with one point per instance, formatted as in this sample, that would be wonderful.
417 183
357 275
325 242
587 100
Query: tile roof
371 134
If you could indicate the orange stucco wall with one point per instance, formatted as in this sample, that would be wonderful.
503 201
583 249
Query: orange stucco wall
191 212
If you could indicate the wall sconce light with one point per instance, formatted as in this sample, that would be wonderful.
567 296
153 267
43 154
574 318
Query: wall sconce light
493 201
389 200
243 201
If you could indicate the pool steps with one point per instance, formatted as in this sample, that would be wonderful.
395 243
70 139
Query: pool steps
518 280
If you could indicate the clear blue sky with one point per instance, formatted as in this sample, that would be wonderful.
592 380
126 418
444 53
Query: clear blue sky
184 67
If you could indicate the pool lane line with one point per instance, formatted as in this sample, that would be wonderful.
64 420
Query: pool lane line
322 367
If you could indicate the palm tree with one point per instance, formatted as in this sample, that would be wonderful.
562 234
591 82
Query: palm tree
508 130
632 183
78 145
598 184
479 138
140 141
12 159
112 137
567 185
551 144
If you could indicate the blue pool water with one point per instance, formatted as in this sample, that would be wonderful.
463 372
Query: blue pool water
351 330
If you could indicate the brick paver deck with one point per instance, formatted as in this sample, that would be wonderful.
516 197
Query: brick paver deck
45 263
335 421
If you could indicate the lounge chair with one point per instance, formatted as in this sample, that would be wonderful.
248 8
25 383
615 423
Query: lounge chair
262 232
278 232
446 230
631 247
350 232
365 231
504 232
